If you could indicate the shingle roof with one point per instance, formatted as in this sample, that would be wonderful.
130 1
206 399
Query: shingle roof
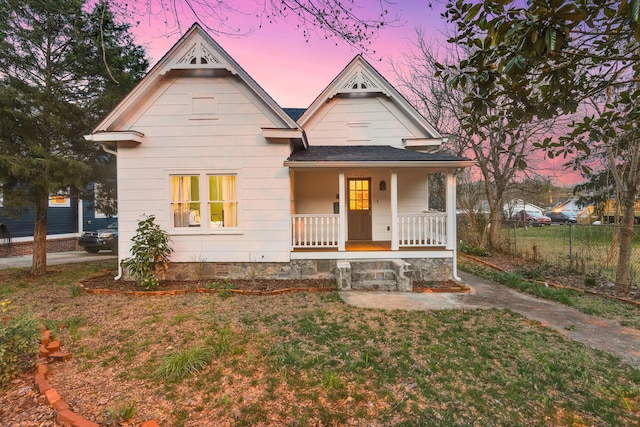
367 153
294 113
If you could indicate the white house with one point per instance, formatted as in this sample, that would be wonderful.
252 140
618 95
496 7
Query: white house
244 189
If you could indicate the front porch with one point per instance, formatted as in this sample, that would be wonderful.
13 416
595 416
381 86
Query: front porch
418 235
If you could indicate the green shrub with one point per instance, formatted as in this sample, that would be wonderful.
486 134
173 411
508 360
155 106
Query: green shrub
18 342
530 273
468 249
75 291
509 278
150 252
224 289
120 416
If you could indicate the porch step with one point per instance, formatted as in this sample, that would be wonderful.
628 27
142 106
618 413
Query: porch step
381 275
375 285
377 274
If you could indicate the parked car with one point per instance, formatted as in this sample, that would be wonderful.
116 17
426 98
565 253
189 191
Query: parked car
105 239
563 217
533 218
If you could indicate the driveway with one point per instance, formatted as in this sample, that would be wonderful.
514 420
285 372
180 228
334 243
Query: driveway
54 258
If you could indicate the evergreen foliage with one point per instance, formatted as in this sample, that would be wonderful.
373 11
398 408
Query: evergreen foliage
61 70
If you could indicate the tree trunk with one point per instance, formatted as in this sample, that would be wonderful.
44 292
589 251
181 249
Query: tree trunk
495 218
39 265
623 271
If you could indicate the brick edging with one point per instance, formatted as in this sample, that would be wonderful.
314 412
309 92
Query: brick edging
50 351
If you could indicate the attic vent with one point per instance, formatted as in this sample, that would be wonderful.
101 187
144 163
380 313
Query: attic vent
198 54
359 81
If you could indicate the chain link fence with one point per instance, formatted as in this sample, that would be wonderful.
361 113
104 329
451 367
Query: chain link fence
584 249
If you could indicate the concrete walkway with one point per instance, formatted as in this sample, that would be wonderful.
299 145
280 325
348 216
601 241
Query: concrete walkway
54 258
591 331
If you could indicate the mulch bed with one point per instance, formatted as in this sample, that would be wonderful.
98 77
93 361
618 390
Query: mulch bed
104 284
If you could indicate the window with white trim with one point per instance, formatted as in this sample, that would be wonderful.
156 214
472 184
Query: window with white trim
60 200
185 200
223 201
208 202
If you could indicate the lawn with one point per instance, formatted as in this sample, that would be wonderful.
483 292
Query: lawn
310 359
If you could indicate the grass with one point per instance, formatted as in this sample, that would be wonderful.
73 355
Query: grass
310 359
593 249
619 312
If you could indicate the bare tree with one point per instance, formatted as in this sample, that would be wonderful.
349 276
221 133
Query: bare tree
356 22
502 148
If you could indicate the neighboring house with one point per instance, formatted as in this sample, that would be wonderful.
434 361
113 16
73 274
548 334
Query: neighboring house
67 218
244 189
516 205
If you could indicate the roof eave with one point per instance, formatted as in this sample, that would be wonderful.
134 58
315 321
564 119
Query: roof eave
435 164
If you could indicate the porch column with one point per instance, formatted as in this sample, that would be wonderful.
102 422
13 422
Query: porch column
395 237
451 211
342 221
427 204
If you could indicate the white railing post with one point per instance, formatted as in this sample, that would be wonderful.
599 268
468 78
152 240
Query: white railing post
423 229
314 231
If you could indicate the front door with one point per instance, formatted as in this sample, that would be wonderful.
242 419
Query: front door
359 212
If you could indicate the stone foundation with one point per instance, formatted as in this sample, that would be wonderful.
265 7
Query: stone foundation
294 270
407 271
431 269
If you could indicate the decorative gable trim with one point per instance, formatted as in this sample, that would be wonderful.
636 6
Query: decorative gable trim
360 82
198 55
359 78
196 50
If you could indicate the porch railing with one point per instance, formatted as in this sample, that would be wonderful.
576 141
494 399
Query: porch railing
424 229
314 231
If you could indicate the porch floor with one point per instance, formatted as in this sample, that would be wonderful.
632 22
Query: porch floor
368 246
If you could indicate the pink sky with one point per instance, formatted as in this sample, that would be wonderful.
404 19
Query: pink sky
294 71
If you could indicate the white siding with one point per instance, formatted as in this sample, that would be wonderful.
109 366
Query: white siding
178 142
387 124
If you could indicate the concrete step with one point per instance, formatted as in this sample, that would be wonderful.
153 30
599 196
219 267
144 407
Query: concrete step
375 285
382 274
363 265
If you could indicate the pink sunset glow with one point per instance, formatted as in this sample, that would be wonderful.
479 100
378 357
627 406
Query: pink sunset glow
294 70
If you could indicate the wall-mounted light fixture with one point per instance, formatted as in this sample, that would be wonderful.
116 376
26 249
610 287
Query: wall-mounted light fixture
383 186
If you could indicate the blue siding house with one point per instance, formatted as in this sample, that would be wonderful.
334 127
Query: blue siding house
67 218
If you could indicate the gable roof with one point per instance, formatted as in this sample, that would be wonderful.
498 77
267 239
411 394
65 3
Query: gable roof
195 51
371 155
359 78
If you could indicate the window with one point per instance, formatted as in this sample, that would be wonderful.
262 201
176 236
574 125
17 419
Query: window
213 207
185 200
358 194
223 203
60 200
